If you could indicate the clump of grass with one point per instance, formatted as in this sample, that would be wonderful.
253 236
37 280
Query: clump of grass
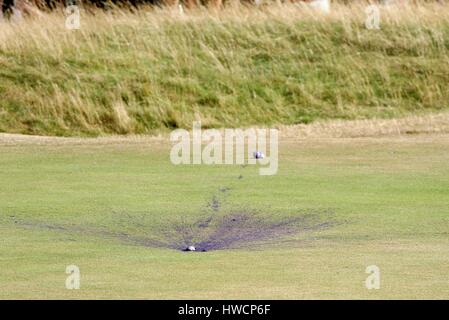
156 69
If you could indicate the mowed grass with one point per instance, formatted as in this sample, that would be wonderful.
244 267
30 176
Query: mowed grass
157 69
389 196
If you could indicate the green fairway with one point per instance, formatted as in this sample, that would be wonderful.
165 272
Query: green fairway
387 199
154 70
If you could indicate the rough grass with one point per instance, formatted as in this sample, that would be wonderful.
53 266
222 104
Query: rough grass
126 72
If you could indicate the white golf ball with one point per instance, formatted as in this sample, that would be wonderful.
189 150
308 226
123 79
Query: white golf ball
259 155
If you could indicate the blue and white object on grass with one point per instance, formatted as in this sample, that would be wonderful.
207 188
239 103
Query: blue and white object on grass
259 155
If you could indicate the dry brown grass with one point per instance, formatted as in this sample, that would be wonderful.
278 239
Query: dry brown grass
436 125
137 73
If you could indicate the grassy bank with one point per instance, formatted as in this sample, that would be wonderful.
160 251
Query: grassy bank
136 73
388 196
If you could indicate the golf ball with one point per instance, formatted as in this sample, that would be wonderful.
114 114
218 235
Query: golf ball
259 155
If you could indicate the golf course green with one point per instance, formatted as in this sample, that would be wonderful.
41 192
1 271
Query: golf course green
66 201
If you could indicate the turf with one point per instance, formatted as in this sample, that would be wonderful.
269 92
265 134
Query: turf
388 197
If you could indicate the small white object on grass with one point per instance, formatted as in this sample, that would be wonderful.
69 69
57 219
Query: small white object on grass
321 5
259 155
191 248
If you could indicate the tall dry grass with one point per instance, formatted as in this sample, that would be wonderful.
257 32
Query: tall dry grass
137 72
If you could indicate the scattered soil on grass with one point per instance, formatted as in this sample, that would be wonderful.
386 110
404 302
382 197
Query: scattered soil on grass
243 229
215 232
217 228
